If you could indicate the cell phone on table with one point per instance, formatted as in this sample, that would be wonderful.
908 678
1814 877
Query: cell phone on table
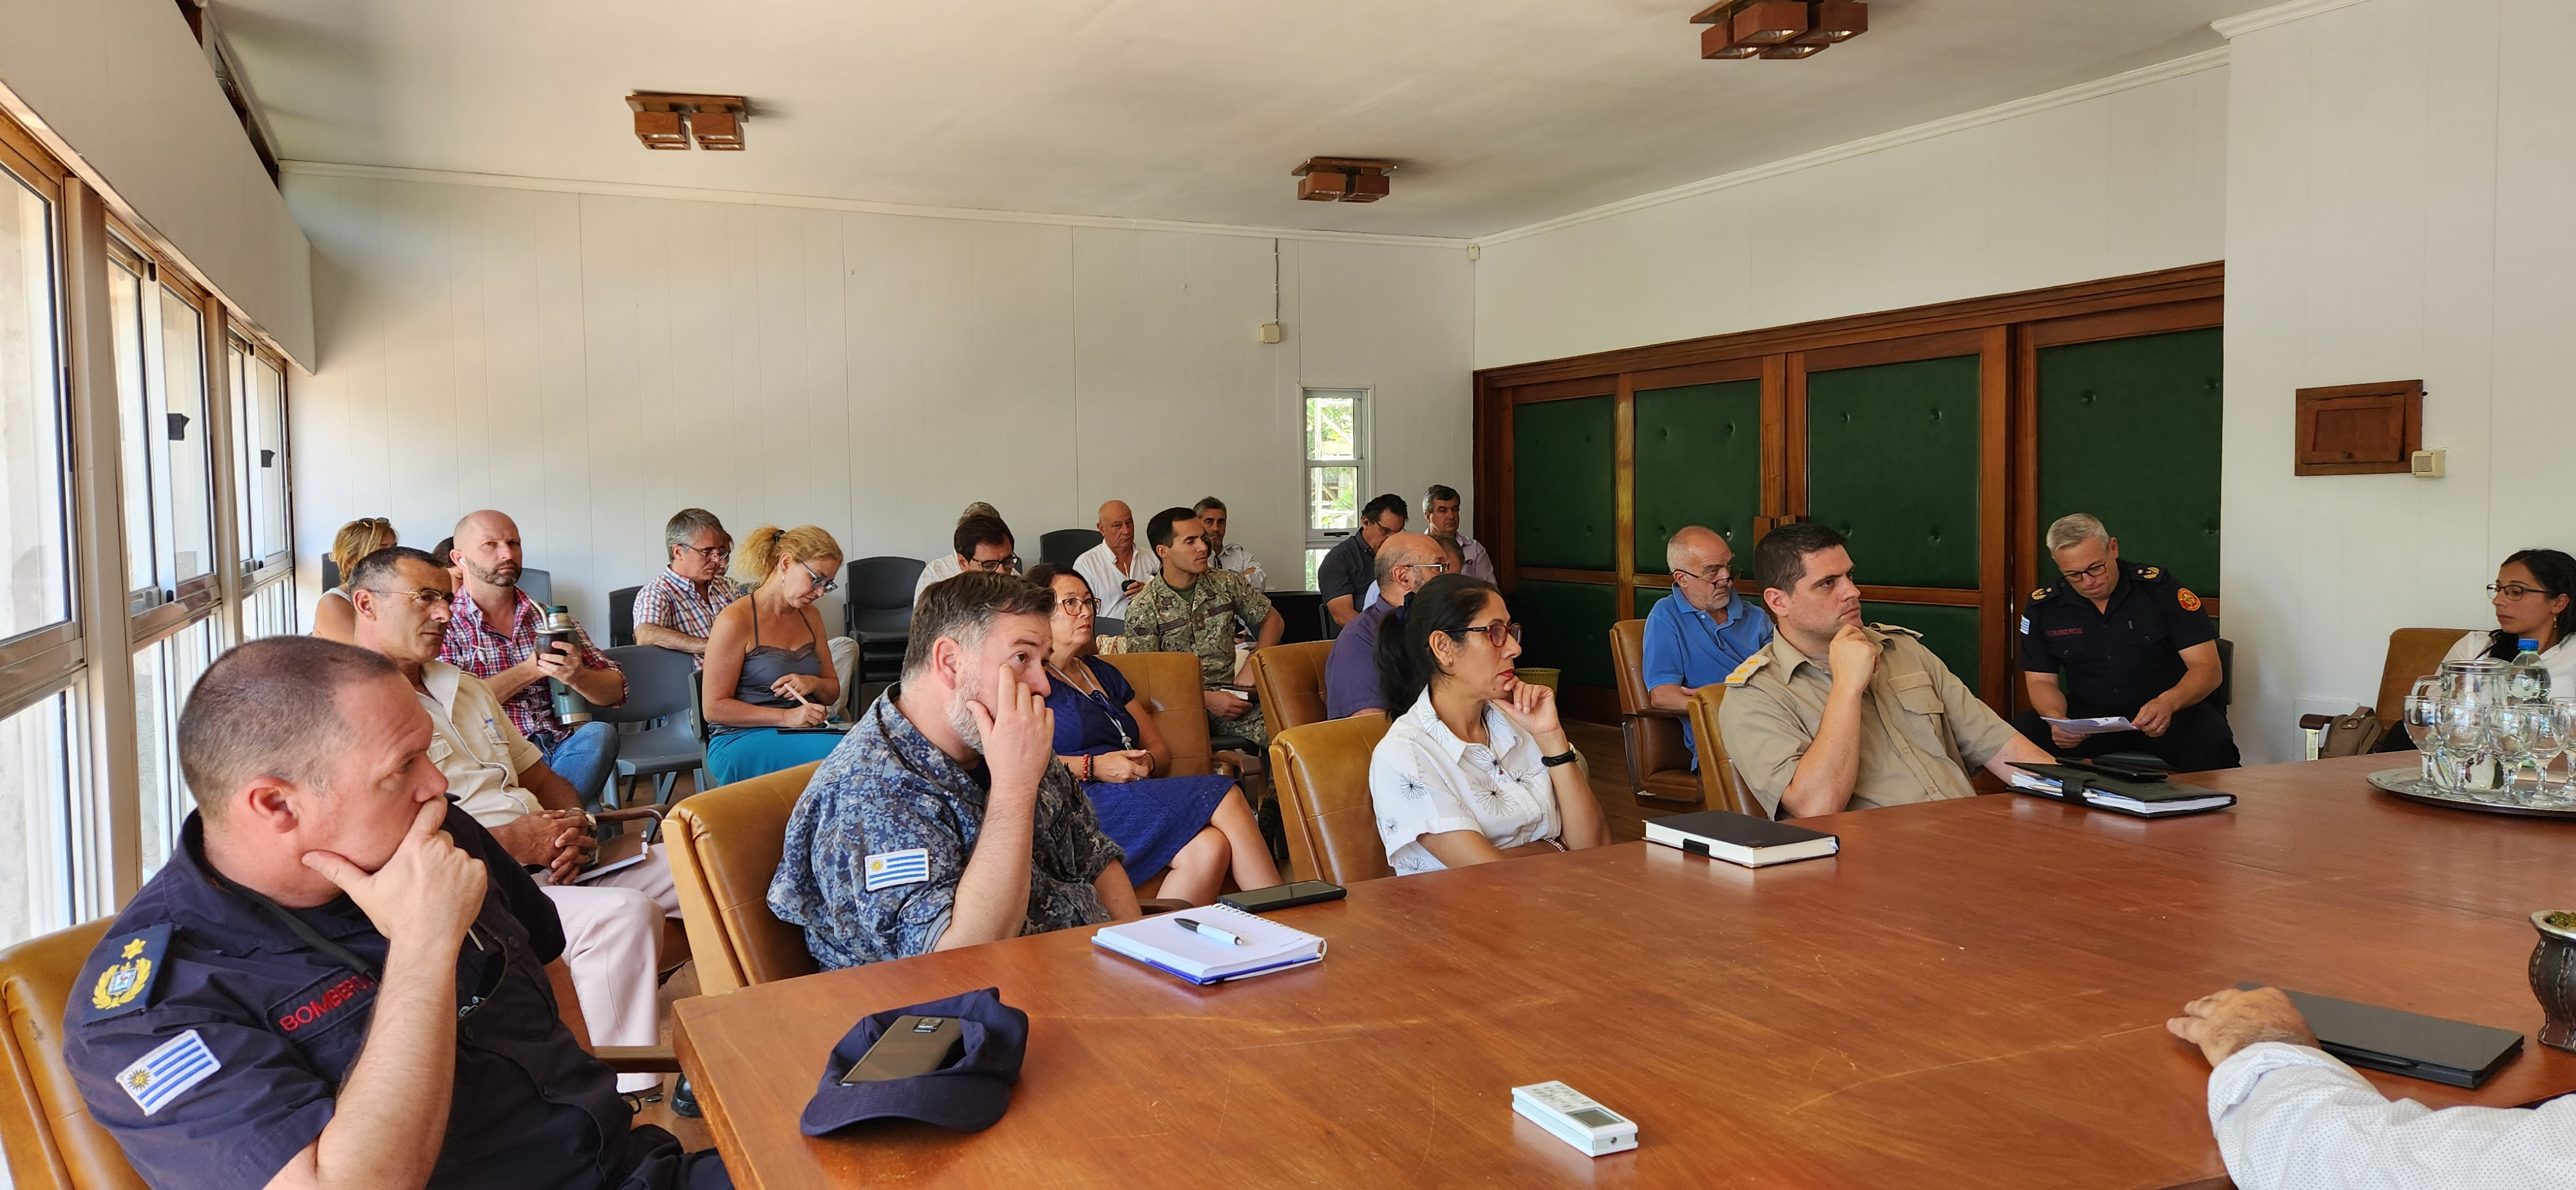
911 1046
1284 896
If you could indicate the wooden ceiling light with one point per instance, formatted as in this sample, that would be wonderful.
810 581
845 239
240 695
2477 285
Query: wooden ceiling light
667 120
1342 179
1778 28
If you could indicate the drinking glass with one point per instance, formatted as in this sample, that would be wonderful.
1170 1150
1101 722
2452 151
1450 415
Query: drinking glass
2463 738
2548 743
2423 721
2513 749
2562 720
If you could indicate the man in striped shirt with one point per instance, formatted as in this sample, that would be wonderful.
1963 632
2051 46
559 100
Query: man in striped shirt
677 610
494 637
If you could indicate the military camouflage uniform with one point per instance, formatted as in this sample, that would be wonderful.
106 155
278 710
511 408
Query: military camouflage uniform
1202 620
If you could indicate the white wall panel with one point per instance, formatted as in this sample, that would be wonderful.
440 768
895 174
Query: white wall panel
591 363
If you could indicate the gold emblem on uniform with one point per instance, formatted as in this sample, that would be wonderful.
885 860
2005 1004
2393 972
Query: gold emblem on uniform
2150 572
2042 593
1744 673
122 982
2189 601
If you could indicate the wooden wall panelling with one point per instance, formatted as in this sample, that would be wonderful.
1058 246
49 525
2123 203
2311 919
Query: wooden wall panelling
2196 314
1775 442
1793 437
1623 491
1994 488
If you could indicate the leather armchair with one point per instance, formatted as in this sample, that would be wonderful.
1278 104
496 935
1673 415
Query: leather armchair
1291 681
1659 763
1721 787
1169 685
725 846
53 1144
1323 777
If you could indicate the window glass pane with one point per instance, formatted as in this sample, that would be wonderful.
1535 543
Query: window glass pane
185 437
163 674
269 611
1332 427
1315 569
267 436
134 405
1332 498
39 771
37 581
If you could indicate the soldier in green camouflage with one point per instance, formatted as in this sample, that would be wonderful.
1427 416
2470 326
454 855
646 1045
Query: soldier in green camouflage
1193 608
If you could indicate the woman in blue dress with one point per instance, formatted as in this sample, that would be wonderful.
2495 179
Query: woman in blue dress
1195 829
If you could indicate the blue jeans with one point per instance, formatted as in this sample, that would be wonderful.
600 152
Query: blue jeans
587 758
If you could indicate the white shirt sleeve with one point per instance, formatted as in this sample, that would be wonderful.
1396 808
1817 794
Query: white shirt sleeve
1415 793
2288 1117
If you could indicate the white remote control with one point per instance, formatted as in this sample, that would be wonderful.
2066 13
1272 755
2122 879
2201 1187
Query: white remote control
1574 1118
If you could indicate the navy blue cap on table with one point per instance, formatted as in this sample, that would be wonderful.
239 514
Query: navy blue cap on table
968 1095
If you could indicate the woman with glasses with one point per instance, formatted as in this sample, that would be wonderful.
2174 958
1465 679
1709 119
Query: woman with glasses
1198 829
2531 596
1478 768
769 675
333 617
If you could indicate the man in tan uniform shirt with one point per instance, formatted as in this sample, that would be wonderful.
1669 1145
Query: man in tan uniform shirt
1836 715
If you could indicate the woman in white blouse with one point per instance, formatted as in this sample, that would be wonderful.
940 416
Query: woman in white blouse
2532 602
1478 769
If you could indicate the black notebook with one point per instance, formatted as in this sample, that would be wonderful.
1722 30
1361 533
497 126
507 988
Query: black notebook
1740 838
2453 1053
2137 799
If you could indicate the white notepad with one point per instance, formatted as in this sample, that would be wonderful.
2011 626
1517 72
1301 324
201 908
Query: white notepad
1164 944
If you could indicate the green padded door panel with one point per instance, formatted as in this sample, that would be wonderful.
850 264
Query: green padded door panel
1892 465
1699 462
1646 598
1563 507
1950 632
1567 626
2129 431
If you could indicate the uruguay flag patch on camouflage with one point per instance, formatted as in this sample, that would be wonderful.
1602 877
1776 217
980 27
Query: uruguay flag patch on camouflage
889 869
125 984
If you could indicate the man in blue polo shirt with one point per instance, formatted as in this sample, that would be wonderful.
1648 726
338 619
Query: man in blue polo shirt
1701 632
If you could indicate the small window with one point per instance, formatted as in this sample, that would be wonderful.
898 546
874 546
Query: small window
1336 438
161 398
41 784
259 458
164 672
35 591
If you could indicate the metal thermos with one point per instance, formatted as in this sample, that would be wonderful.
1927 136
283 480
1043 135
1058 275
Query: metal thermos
570 706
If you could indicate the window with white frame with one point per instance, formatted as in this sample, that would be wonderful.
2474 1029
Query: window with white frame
1336 443
161 411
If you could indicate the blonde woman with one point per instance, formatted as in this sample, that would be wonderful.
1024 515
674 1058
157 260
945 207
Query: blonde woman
333 617
769 675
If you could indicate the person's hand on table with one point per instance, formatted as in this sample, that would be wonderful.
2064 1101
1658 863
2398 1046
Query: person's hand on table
2228 1020
2156 717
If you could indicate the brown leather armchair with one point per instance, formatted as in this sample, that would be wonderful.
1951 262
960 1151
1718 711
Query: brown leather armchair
1720 785
1169 685
725 846
1323 774
1659 763
52 1142
1290 679
2412 653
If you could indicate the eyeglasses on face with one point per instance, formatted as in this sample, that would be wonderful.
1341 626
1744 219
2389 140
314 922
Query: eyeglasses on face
2088 574
424 597
1716 576
1496 631
717 553
1076 606
2518 591
1436 568
1009 565
825 585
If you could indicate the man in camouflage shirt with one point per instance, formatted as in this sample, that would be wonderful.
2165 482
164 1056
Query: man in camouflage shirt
943 819
1192 608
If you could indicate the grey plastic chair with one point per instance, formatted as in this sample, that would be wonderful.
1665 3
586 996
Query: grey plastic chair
878 614
621 615
539 585
658 683
1064 545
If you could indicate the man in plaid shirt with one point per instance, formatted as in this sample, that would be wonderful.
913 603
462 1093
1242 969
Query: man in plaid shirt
494 637
677 610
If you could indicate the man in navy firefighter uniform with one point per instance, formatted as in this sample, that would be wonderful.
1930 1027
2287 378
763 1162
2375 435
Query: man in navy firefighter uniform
2119 639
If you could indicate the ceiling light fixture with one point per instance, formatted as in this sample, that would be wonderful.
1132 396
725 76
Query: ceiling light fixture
666 120
1778 28
1342 179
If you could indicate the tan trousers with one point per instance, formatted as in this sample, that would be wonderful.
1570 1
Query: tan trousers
613 946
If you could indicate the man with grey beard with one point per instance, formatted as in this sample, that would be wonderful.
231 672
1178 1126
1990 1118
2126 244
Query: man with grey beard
944 819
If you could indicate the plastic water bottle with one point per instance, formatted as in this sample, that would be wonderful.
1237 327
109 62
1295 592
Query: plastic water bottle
2528 681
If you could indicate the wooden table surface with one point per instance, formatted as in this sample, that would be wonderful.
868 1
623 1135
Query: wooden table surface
1972 994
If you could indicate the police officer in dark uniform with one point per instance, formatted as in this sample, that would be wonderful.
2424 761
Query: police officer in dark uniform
2127 641
335 960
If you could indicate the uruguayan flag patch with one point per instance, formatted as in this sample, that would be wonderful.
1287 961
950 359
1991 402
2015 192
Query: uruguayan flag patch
891 868
162 1075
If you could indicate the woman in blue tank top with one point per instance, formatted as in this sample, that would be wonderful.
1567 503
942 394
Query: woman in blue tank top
769 677
1194 831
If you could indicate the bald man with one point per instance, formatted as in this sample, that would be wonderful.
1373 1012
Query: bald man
1701 632
1405 561
1115 568
494 637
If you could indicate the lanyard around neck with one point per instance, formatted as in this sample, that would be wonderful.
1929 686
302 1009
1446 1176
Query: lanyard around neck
302 929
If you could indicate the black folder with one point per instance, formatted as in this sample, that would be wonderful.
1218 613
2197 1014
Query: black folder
2075 782
2432 1048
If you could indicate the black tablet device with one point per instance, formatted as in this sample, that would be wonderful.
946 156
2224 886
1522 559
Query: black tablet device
2367 1036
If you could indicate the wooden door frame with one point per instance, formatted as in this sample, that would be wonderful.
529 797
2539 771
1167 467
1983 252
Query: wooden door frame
2005 332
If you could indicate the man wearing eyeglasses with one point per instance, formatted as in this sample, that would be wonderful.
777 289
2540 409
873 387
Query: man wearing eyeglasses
1700 632
678 608
340 978
2121 639
1405 561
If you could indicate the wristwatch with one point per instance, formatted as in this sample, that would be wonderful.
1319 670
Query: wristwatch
1565 757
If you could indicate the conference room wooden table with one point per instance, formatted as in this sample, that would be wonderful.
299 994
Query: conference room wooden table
1973 993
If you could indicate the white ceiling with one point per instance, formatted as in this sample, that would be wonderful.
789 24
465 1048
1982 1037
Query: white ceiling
1503 112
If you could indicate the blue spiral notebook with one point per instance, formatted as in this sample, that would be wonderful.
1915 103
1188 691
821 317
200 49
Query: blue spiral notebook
1162 943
